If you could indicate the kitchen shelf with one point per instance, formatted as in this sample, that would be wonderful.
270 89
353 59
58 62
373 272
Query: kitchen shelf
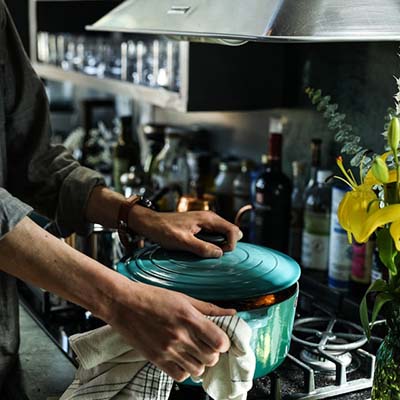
156 96
211 77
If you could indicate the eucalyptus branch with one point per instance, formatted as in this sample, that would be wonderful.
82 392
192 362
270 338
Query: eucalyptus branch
344 131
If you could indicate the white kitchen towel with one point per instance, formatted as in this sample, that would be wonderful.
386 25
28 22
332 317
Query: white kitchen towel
111 369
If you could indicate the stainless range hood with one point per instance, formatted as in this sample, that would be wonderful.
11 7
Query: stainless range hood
237 21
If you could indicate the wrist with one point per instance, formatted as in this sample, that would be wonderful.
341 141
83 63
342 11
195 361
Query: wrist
140 219
123 296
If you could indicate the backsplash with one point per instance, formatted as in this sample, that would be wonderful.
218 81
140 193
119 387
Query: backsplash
358 76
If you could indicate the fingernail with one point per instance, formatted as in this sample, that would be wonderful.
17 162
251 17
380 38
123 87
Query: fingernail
217 253
240 235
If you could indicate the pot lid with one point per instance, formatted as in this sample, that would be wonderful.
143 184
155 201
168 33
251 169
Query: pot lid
247 272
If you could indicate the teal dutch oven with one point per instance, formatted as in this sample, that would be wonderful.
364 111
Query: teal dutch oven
260 283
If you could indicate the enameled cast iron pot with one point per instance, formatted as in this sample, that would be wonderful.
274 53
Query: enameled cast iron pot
262 284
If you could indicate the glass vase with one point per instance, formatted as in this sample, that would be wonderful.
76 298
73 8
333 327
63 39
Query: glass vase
386 385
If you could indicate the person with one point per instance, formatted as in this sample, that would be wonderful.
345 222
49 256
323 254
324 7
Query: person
169 328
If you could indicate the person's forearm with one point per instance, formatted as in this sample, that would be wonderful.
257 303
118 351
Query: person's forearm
103 206
171 230
166 327
33 255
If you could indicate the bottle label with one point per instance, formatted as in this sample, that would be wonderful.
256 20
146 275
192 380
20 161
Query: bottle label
362 262
341 257
340 250
315 246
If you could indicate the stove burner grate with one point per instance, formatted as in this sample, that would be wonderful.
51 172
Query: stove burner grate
330 346
330 334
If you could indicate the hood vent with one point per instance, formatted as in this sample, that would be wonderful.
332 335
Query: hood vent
237 21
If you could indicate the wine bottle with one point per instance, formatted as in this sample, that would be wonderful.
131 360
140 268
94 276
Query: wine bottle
317 212
297 210
272 197
340 250
315 162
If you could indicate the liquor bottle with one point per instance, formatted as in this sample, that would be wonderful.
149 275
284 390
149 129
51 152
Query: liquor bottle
242 185
126 152
317 212
315 162
361 266
297 210
273 190
228 169
171 169
340 250
242 194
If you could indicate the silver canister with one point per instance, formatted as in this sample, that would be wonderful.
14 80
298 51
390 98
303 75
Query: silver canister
102 244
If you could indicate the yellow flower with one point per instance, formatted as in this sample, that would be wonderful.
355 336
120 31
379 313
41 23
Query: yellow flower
359 212
395 231
356 207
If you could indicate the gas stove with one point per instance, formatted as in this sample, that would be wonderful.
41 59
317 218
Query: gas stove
329 357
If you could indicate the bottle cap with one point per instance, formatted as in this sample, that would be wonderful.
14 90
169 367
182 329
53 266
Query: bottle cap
323 175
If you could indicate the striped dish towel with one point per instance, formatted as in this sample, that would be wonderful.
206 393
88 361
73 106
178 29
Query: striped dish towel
111 369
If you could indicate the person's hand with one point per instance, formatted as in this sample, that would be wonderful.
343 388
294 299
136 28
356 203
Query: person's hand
175 231
169 328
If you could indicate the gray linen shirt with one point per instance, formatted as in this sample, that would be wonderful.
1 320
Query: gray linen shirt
31 170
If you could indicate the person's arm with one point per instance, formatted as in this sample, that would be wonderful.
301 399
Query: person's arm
168 328
171 230
42 175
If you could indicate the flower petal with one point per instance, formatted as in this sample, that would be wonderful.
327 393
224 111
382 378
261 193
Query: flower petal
376 219
355 208
395 232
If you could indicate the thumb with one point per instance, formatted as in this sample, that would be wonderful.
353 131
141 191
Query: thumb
211 309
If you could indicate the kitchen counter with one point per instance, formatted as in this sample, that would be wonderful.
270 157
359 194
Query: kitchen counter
44 372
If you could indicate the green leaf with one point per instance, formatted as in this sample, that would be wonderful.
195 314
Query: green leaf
380 301
364 316
387 250
358 158
378 286
316 96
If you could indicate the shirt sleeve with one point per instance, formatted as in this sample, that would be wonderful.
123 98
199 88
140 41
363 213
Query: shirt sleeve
12 211
42 175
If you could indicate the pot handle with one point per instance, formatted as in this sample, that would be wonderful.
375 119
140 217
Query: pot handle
211 237
241 212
